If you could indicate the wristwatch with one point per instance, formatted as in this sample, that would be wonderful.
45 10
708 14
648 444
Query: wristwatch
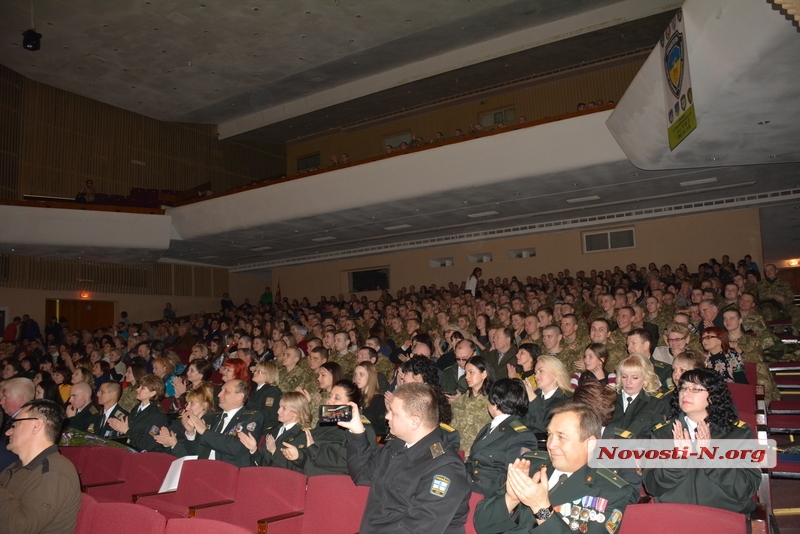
544 514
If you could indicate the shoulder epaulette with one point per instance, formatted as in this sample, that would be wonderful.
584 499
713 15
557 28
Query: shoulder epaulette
658 363
365 420
249 412
519 427
539 456
93 410
446 427
660 425
624 434
611 477
660 394
741 424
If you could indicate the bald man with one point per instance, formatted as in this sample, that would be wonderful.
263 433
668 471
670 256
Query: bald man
81 412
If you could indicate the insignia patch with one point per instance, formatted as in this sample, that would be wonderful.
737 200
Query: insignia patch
437 450
613 522
523 450
440 486
251 426
154 430
269 401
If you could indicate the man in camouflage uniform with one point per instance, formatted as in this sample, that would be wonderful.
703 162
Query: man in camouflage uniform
573 343
599 333
293 375
341 353
532 331
773 288
749 348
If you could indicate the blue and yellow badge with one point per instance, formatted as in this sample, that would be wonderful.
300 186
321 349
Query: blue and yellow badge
154 430
673 63
269 401
613 522
440 485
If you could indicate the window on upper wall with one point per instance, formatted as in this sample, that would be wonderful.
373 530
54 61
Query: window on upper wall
368 280
507 115
483 257
395 140
305 163
608 240
440 262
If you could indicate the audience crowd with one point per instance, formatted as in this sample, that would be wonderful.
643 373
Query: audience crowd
507 361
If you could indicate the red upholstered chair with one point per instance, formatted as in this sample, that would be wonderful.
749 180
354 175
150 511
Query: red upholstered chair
201 482
744 398
144 473
261 492
474 499
668 518
85 515
105 464
126 518
201 526
334 505
751 372
76 455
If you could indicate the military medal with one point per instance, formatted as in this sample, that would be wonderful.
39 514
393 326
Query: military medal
573 525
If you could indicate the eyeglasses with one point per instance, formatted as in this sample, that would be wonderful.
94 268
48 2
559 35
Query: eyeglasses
693 391
710 337
462 359
674 339
15 421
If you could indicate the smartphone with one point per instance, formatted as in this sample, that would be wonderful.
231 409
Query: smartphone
335 413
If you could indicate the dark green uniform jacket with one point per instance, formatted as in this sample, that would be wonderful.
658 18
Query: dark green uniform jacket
294 436
422 489
144 425
266 400
729 489
225 443
328 454
575 502
538 416
642 415
493 451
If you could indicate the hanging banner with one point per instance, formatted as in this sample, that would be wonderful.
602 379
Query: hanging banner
678 98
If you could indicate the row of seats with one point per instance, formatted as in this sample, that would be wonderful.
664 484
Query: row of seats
126 518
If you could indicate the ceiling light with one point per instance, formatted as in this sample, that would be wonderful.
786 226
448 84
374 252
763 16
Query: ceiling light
775 156
582 199
259 249
713 159
397 227
326 238
794 263
698 182
206 257
482 214
762 123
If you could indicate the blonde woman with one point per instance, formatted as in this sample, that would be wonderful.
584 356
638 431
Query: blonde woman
200 403
265 395
373 405
639 404
294 415
554 389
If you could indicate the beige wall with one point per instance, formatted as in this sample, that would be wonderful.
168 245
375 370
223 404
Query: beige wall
548 98
691 240
139 307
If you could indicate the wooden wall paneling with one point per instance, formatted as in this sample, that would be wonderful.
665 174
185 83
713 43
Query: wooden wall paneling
182 280
203 283
162 279
221 281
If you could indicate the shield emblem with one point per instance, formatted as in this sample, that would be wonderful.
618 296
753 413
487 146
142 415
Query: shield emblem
673 63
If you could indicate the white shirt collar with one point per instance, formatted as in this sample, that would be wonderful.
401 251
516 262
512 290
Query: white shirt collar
625 402
107 413
546 396
498 419
553 480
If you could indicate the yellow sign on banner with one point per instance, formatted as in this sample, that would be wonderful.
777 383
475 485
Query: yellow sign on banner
678 97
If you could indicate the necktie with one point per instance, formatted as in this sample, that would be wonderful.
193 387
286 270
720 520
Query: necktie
221 423
281 431
629 401
102 422
561 480
500 357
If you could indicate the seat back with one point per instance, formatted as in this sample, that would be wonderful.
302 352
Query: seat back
144 473
105 464
76 455
744 398
333 515
127 518
204 481
668 518
474 499
201 526
261 492
751 372
85 515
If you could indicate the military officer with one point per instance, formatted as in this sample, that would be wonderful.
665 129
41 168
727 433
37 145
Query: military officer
557 491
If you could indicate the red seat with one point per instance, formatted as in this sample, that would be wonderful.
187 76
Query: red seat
201 482
334 505
668 518
126 518
261 492
85 515
784 407
751 372
777 367
104 465
201 526
76 455
144 473
784 424
785 469
791 382
474 499
744 398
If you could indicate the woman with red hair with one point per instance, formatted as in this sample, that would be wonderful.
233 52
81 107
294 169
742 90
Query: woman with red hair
235 369
720 357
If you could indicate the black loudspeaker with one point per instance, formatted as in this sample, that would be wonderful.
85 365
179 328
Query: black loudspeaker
31 40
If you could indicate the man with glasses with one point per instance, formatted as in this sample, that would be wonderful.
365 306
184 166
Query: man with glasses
454 382
41 491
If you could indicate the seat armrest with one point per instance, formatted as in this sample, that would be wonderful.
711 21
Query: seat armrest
759 519
85 487
137 496
263 524
193 509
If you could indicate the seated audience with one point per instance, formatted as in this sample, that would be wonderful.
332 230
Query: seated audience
720 357
595 357
553 389
470 411
146 417
294 419
265 396
640 404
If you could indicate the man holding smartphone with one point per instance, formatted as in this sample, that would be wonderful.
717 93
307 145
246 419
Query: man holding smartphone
418 484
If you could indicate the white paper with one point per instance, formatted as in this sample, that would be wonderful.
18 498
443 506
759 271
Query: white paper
174 474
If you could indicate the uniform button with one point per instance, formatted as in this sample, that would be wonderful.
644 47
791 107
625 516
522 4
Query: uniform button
490 456
476 471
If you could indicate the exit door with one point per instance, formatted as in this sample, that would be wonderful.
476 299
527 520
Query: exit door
82 314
